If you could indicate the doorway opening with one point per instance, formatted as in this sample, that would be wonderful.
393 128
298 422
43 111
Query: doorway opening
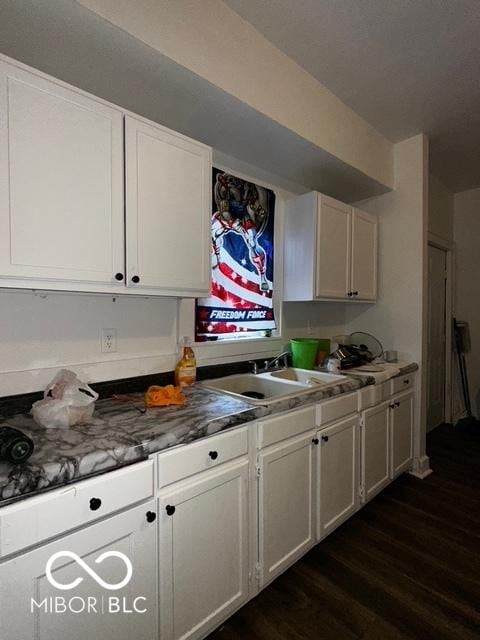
439 340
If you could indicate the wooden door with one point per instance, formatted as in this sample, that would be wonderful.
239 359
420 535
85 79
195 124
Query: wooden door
375 447
168 210
364 256
338 475
61 182
436 370
87 610
401 434
333 248
285 504
203 551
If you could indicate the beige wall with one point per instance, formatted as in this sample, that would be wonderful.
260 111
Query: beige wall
398 318
440 209
211 40
467 303
42 332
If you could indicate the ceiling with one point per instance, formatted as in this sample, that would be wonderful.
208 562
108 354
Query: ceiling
405 66
64 39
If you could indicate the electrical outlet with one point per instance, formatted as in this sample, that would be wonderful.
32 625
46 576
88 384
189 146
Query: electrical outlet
109 340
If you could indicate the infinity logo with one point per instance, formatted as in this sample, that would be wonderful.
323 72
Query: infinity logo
87 569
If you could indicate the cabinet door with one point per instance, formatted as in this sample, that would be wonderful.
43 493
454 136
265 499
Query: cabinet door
364 255
338 468
375 450
61 182
168 210
401 434
333 248
87 609
285 505
203 551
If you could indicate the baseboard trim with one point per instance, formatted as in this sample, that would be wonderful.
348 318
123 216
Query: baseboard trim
421 468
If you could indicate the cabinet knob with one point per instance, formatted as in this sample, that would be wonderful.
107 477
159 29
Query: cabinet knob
213 454
135 279
407 381
325 438
151 516
315 441
354 293
119 276
170 509
397 404
392 406
350 294
95 503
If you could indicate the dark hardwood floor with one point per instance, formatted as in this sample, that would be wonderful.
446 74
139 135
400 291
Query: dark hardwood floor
406 566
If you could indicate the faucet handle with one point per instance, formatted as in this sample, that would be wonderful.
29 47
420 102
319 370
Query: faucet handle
254 366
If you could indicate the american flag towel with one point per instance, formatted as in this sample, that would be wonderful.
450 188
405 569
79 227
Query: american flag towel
242 259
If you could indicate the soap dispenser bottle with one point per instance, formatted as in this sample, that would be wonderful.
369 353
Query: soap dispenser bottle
186 369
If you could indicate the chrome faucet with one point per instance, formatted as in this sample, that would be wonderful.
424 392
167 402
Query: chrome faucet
279 362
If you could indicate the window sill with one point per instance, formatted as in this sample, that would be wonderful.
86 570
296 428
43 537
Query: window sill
237 350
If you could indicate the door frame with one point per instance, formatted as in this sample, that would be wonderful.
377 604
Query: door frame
449 248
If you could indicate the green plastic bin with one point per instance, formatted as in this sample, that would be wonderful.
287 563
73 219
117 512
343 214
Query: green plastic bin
304 352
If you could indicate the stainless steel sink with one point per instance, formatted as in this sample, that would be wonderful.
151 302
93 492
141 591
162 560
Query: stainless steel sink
272 386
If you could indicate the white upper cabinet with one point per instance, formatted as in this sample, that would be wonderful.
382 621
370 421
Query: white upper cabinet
364 255
168 210
330 250
69 217
333 248
61 182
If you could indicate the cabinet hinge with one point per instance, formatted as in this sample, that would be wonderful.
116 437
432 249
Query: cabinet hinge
362 421
361 491
258 571
258 471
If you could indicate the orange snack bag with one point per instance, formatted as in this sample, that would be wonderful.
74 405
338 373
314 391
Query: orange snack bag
164 396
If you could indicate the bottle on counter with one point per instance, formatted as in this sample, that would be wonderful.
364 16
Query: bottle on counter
186 369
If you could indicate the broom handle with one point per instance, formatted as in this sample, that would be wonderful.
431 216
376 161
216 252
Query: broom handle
463 368
466 390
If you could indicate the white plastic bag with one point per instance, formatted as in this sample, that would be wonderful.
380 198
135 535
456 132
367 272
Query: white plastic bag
66 401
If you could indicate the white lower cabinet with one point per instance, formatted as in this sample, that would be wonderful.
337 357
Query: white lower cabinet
375 447
285 494
75 605
232 512
337 474
401 433
203 553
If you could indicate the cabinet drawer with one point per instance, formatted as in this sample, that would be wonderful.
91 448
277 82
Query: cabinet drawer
402 383
36 519
285 426
373 395
336 408
187 460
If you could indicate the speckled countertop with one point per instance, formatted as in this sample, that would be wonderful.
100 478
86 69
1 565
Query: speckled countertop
119 434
